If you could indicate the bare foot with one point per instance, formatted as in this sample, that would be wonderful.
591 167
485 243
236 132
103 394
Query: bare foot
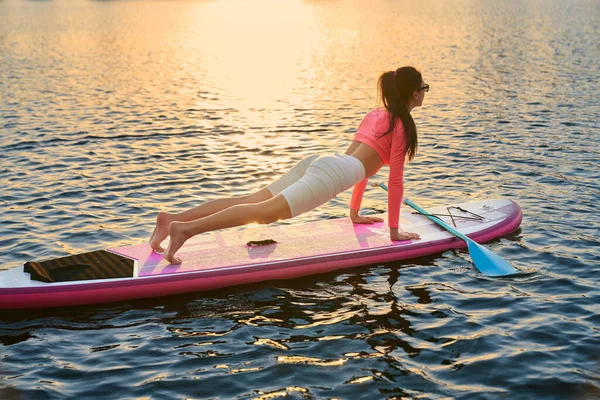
161 231
178 238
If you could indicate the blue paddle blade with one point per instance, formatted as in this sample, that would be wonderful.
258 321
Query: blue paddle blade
488 262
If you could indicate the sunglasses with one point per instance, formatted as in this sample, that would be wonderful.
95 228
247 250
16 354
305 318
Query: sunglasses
425 88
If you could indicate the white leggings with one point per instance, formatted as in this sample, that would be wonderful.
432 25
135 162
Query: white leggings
316 180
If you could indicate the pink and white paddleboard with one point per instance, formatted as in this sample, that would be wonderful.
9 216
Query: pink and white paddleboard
220 259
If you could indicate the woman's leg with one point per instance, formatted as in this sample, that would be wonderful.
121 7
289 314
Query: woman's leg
265 212
161 230
323 180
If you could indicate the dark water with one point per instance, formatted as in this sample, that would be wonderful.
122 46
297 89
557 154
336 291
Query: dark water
112 111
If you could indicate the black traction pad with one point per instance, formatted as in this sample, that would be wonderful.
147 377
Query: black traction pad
255 243
95 265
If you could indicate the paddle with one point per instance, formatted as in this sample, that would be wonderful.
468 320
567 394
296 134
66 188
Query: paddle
485 260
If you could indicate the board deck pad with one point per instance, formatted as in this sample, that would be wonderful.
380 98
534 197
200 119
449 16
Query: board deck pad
227 248
94 265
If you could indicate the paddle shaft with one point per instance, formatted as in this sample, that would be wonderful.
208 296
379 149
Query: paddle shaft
437 220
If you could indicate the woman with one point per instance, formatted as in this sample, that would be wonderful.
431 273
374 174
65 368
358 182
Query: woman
385 137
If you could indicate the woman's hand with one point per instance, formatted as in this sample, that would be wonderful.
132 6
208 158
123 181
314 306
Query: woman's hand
399 234
358 219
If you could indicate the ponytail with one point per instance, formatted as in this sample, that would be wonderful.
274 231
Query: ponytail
396 89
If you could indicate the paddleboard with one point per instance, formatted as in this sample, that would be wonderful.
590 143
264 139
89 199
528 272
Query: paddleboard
226 258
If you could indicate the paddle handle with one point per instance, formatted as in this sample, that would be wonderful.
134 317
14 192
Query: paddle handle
431 217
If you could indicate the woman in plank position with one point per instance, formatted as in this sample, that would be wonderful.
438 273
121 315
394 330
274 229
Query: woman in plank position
386 136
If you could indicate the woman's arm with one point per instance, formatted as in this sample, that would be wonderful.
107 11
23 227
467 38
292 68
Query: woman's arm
396 188
396 179
357 195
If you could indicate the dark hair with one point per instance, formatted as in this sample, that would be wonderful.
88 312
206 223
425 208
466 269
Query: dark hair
396 88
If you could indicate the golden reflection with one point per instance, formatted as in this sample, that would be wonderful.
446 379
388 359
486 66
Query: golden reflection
362 379
322 338
280 393
182 332
272 343
310 361
359 355
256 54
328 319
156 378
250 321
242 370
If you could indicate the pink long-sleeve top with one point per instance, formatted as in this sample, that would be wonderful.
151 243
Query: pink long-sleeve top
392 150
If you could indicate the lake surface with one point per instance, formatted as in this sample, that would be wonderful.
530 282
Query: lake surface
111 111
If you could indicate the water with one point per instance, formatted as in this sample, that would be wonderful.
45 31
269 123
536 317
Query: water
112 111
